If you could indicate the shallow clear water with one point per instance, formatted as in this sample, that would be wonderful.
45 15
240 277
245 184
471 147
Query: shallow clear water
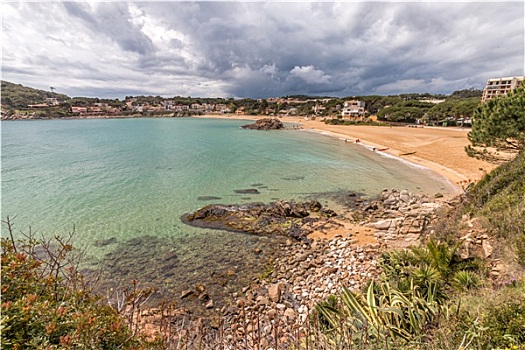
117 181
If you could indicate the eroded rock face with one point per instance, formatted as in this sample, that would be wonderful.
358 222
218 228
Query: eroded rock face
265 124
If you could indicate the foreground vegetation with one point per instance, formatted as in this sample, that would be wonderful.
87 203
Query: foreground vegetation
47 304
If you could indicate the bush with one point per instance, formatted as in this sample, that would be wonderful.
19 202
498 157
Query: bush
46 304
490 320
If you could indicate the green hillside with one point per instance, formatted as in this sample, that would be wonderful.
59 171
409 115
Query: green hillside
18 96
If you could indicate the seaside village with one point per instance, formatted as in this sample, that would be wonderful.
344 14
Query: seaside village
427 109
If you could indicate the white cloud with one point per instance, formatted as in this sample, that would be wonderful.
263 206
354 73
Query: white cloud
270 69
310 74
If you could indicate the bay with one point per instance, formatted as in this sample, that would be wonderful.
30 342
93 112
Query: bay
123 184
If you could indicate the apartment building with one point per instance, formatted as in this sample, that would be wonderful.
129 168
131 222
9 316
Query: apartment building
500 86
353 108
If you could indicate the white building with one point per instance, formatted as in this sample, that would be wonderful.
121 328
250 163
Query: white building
353 108
500 86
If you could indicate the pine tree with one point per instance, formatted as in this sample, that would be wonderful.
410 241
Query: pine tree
499 123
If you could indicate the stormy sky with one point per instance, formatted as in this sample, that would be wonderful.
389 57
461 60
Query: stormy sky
260 49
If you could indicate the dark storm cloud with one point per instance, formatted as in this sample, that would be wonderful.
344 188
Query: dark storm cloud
262 49
112 20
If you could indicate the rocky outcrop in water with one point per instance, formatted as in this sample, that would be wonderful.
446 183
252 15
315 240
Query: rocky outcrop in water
280 218
265 124
305 272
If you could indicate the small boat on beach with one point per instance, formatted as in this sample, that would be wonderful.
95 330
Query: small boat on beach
382 149
407 154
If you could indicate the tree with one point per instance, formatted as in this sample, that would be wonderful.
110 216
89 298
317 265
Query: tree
406 111
453 108
467 93
499 123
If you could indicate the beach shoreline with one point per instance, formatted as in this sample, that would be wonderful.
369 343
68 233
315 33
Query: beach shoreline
438 149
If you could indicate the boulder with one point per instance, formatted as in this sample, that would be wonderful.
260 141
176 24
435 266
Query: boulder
209 304
265 124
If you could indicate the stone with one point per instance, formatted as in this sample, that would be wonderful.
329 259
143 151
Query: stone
289 312
487 248
209 304
404 196
200 288
383 224
186 293
262 300
204 297
274 293
248 191
215 322
271 314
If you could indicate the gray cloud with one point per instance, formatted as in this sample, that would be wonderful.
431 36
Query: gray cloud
112 20
262 49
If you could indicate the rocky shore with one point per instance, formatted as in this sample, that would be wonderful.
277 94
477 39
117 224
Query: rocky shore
276 306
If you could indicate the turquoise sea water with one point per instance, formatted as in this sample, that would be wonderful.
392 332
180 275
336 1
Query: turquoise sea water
117 181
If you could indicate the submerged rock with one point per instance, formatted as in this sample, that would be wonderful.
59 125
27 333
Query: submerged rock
248 191
208 198
104 242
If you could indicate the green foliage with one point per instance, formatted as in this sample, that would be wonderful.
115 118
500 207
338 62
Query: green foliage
453 108
408 300
467 93
405 111
500 198
45 303
520 250
383 312
487 321
464 280
433 264
19 96
499 123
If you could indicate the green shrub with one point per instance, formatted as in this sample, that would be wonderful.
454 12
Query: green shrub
465 280
46 305
504 316
520 250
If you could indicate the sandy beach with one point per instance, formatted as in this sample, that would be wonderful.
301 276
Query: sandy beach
437 148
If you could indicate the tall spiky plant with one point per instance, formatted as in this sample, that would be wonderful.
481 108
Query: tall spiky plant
384 311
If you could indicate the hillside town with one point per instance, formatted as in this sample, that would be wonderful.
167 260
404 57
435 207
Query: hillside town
20 102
